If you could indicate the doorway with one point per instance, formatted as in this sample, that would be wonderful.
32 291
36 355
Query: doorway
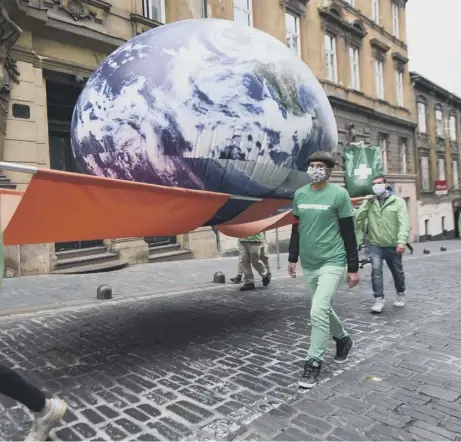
62 93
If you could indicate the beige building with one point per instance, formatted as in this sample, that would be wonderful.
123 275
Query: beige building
438 143
50 47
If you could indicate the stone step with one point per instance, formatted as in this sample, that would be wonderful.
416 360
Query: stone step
85 260
155 250
177 255
67 254
107 266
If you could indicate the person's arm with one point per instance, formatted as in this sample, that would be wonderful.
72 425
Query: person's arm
293 250
347 230
404 224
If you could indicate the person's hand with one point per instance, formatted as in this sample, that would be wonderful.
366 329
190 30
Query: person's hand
400 248
292 269
353 279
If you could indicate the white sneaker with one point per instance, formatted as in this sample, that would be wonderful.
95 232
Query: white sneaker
399 300
44 424
378 306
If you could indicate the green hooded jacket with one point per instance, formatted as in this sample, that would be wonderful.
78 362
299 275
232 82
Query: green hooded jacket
258 237
388 223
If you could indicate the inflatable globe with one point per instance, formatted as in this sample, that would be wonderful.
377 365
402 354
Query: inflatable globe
204 104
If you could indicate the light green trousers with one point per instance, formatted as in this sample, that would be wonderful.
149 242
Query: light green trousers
322 285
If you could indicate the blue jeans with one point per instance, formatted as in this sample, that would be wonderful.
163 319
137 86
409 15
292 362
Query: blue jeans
393 261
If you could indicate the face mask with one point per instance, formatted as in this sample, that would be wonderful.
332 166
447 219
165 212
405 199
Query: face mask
317 175
379 189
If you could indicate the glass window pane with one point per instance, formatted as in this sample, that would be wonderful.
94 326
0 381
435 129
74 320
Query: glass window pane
290 22
241 17
243 4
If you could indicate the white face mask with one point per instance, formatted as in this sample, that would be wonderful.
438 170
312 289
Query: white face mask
317 174
379 189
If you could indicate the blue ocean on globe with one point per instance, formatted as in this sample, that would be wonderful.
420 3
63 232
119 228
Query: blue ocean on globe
204 104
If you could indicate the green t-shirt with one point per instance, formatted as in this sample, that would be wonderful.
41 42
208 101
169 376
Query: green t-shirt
320 240
258 237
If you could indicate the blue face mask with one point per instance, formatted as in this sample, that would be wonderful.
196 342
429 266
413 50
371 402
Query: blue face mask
379 189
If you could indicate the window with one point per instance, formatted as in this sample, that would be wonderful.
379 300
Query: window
441 164
425 177
379 78
383 146
243 12
400 97
455 174
155 10
422 117
452 128
403 157
355 68
351 2
395 19
292 29
439 122
330 59
203 8
375 10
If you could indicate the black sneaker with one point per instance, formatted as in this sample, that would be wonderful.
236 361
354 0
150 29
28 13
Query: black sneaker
311 374
237 279
343 348
267 279
247 286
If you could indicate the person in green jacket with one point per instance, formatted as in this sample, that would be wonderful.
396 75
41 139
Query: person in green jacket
250 255
388 232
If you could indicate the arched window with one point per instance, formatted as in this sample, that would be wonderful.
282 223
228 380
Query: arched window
422 115
439 129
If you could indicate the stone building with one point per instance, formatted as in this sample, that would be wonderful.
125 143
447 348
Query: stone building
50 47
438 144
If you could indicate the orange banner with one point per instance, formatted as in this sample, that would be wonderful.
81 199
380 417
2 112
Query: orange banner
258 211
61 206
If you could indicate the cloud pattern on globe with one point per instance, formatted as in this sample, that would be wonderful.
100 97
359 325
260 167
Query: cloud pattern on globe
203 104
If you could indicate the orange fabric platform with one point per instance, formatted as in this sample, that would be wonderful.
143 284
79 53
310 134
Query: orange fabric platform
258 210
61 206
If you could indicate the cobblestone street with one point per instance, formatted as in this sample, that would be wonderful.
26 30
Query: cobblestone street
213 363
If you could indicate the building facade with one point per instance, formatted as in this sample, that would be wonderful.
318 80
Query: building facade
438 144
50 47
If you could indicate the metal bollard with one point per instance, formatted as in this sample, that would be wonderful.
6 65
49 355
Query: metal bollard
219 278
104 292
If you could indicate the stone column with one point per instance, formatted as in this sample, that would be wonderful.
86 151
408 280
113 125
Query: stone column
220 9
269 16
134 250
177 10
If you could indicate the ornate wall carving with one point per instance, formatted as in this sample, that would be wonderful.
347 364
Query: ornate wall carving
81 9
9 73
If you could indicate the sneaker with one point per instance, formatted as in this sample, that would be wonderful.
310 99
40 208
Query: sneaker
343 348
248 285
378 305
311 374
267 279
399 300
44 424
237 279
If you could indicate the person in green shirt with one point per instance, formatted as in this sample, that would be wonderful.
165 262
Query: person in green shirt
324 240
250 255
388 232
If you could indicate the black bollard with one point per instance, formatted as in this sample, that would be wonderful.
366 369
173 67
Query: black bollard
219 278
426 252
104 292
443 249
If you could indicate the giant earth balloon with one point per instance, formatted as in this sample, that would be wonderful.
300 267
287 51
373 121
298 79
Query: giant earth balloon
204 104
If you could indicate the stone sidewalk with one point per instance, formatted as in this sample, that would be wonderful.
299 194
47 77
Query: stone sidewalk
30 293
223 365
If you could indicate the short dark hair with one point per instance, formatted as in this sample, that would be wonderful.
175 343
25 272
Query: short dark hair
324 157
380 177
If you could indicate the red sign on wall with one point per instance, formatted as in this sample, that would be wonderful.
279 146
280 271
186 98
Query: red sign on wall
441 187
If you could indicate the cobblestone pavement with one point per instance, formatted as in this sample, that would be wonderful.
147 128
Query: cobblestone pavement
223 365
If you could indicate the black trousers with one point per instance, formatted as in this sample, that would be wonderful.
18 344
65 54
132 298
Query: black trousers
16 387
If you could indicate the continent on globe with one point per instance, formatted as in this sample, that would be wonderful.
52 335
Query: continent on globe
204 104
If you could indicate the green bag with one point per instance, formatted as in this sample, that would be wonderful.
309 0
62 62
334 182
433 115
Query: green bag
361 164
